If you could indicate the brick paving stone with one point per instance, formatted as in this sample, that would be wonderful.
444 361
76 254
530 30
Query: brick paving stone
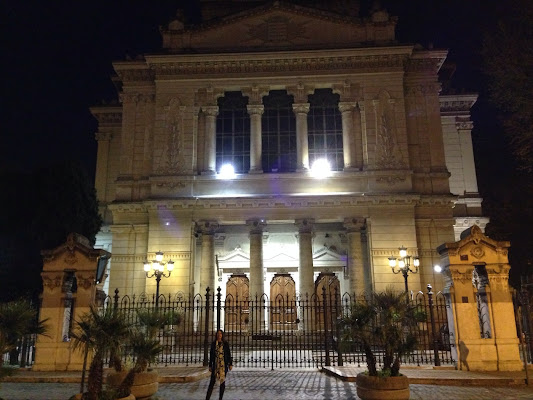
277 385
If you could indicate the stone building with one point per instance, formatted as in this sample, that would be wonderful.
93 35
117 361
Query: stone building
342 146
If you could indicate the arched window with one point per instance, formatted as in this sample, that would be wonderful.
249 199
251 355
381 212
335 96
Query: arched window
233 132
324 123
278 133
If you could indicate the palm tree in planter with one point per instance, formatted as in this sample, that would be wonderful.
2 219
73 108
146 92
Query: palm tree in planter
383 324
101 333
144 347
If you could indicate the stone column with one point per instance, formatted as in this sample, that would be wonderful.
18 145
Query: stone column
257 278
356 271
102 164
464 129
255 111
211 113
346 109
305 270
357 159
207 268
302 145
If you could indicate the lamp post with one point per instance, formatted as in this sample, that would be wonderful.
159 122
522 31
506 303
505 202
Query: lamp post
404 266
158 267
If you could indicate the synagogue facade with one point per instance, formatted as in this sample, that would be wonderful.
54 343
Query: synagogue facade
278 147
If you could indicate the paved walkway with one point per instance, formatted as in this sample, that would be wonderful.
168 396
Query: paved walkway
179 383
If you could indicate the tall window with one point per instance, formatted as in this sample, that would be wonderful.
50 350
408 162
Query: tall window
279 133
233 132
324 123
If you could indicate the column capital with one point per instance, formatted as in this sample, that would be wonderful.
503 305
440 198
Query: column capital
103 136
354 224
211 111
347 106
255 109
207 227
256 225
305 225
301 108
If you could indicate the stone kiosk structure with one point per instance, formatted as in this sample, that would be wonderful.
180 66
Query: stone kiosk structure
476 271
69 289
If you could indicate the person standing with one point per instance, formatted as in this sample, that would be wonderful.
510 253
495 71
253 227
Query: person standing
220 362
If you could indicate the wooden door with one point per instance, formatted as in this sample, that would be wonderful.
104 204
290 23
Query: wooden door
237 309
329 281
282 303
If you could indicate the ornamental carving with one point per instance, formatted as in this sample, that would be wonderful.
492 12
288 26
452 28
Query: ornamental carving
388 155
51 282
85 281
390 180
256 225
464 125
305 225
459 276
477 252
174 160
277 29
239 67
70 258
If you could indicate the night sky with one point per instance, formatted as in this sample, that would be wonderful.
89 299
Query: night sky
57 59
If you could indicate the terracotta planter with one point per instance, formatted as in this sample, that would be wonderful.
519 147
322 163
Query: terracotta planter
145 384
378 388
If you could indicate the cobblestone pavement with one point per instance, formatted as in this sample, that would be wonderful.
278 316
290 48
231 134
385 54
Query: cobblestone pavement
266 385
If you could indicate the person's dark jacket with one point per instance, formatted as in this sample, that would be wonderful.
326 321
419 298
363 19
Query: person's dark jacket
227 357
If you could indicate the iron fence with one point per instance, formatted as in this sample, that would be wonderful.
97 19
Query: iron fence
276 333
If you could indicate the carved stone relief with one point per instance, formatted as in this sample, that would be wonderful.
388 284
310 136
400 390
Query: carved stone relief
388 154
174 160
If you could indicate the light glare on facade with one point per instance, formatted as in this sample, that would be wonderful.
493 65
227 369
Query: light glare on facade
227 172
321 169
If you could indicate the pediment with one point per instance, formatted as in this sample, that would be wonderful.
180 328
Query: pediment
281 257
277 26
328 257
235 256
475 248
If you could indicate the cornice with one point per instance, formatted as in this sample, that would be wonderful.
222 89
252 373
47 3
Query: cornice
272 203
426 61
457 104
107 115
133 71
361 60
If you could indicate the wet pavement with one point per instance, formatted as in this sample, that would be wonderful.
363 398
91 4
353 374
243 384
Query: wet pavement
300 384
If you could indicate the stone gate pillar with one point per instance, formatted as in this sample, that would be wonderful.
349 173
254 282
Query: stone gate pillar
480 308
69 289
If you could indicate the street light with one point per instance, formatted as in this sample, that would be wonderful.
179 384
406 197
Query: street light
159 271
404 265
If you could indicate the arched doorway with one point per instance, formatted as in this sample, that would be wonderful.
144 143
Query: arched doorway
283 303
237 309
330 282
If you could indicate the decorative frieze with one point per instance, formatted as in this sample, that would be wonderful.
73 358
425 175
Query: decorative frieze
359 64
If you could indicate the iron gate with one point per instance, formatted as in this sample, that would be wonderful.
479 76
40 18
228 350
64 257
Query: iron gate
277 333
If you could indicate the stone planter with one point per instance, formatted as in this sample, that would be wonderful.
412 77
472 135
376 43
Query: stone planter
79 396
145 384
379 388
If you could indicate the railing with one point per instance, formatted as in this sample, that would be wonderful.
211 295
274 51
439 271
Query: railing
277 333
23 354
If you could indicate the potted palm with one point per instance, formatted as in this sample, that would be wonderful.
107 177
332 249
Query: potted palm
144 347
382 326
100 333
